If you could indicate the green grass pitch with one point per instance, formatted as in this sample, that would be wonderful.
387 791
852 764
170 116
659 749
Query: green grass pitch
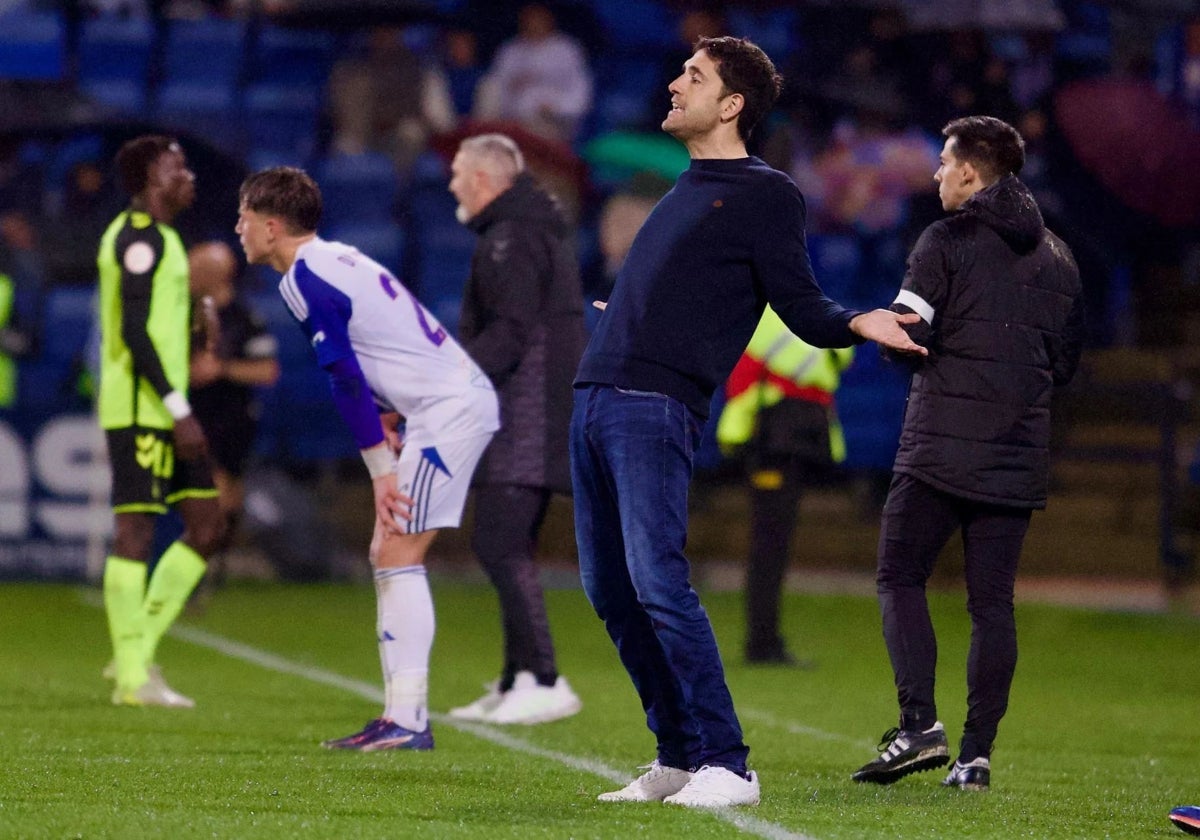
1099 741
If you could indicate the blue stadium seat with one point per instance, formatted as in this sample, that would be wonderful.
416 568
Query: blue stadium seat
47 382
67 317
636 25
209 51
281 122
358 188
207 110
291 57
870 406
124 95
112 47
381 241
837 262
625 94
772 29
34 44
429 171
447 311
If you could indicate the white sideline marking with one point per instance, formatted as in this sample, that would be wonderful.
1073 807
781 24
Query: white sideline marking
369 691
776 722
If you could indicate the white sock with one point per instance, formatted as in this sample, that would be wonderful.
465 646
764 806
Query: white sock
405 633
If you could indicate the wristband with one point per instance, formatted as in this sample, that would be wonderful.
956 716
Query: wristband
177 405
379 460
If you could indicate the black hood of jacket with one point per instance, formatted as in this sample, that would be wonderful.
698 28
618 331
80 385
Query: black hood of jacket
1008 208
524 201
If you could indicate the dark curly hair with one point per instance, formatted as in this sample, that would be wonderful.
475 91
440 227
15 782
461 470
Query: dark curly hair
992 146
744 68
136 156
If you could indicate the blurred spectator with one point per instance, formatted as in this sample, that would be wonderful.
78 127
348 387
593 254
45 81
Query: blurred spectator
867 173
779 421
225 374
1032 73
20 181
953 78
460 57
88 206
1179 66
861 84
1037 172
693 25
539 79
21 253
116 8
387 99
620 220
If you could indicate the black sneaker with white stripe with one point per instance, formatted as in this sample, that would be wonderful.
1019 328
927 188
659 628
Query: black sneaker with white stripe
974 775
903 752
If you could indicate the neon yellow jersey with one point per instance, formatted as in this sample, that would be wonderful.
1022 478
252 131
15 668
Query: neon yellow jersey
145 313
8 366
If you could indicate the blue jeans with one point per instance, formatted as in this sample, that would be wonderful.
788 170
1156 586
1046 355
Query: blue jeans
631 462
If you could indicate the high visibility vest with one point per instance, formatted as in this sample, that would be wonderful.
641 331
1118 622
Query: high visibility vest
8 365
778 365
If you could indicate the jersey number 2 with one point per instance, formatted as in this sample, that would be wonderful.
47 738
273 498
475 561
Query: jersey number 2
436 336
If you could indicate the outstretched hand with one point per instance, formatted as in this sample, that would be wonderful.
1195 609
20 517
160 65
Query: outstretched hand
884 327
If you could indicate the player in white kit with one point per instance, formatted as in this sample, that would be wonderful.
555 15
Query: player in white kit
387 358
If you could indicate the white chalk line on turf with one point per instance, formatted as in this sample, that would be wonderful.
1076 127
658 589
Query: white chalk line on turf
791 726
369 691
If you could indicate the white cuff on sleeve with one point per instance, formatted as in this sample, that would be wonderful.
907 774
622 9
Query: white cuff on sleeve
177 405
917 304
379 460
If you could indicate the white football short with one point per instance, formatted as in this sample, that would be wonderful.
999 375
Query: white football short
437 479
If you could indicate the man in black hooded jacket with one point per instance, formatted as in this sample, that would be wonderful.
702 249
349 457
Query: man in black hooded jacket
1001 315
522 322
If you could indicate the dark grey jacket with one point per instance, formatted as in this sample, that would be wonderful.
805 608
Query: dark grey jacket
1002 314
522 321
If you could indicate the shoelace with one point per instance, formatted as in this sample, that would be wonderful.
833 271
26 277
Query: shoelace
889 736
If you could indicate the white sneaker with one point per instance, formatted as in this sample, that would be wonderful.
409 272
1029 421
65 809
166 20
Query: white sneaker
716 787
481 708
153 692
655 785
527 702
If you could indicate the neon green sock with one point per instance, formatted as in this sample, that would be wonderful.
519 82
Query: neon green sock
176 575
124 592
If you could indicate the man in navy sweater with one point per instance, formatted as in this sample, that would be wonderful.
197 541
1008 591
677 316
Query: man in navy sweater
725 241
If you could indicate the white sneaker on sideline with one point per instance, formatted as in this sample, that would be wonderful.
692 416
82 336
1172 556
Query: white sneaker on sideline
153 692
481 708
167 695
528 702
717 787
655 785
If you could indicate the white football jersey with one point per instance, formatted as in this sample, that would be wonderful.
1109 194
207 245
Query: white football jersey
347 303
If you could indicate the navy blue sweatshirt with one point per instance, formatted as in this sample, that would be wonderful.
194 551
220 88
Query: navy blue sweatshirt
726 240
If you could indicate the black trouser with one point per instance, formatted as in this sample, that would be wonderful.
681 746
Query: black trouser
507 521
917 522
774 498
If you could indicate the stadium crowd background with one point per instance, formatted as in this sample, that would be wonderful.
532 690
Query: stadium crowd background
374 101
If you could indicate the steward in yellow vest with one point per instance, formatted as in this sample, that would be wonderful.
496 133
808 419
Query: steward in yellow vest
779 411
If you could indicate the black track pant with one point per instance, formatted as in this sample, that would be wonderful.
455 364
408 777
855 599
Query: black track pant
774 499
917 522
507 521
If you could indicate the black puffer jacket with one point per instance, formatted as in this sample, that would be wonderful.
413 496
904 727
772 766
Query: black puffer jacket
522 321
1002 314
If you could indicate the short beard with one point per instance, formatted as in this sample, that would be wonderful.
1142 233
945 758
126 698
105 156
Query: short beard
462 214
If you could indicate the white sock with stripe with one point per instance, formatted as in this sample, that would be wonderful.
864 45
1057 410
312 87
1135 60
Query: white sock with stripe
405 632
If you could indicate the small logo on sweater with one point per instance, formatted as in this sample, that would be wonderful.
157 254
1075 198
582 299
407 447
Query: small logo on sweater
718 203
